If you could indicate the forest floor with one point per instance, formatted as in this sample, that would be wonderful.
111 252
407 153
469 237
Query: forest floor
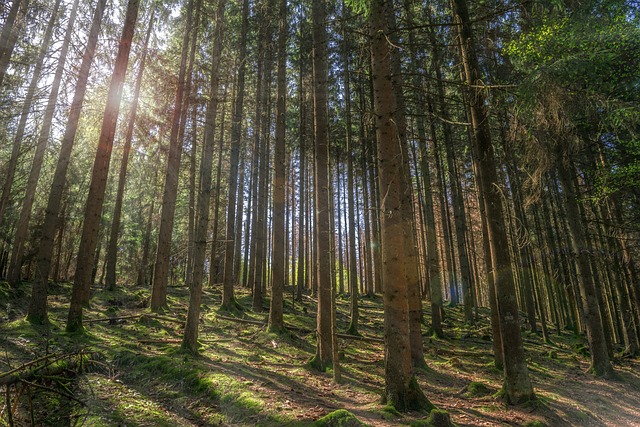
134 373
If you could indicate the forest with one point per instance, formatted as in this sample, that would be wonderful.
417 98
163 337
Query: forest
320 213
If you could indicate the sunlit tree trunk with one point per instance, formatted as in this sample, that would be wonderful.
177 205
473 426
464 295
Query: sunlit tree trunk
324 349
38 305
276 322
190 339
10 32
161 267
112 249
95 199
22 228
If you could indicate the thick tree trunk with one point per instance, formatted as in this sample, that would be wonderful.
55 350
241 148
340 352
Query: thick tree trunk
95 199
401 388
112 248
322 217
276 322
38 305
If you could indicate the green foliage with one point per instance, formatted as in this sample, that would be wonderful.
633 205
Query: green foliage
583 54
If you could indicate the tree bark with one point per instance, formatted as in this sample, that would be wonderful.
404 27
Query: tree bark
38 304
161 267
322 217
600 362
401 388
190 339
15 265
276 321
10 32
228 299
112 249
517 385
95 199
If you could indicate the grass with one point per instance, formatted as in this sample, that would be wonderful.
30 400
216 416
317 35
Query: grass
246 376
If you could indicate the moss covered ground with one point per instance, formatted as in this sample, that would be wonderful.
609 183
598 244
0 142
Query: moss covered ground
245 376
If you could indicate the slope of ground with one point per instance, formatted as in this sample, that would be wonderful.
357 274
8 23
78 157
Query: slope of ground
136 375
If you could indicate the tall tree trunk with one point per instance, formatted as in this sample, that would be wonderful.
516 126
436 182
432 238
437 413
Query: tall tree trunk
161 268
26 109
10 31
22 229
600 363
408 214
276 321
517 385
38 304
433 256
228 299
351 222
95 199
112 249
324 349
190 339
401 388
213 262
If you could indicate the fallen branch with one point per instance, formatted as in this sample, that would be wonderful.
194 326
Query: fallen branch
295 328
166 319
106 319
133 316
53 390
23 373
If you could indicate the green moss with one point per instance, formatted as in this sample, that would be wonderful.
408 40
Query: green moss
437 418
339 418
535 423
477 389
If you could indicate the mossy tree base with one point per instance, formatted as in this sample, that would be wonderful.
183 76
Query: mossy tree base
413 399
37 319
316 364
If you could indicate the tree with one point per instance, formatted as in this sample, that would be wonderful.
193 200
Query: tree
95 198
38 304
401 388
112 248
10 32
161 267
276 322
25 213
324 347
190 339
517 385
228 299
